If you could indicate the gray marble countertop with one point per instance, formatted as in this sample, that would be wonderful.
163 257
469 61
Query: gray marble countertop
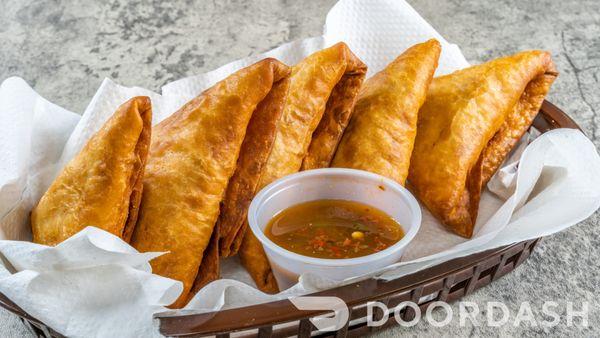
64 50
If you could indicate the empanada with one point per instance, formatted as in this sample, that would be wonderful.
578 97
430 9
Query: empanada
192 157
381 133
469 122
102 185
321 96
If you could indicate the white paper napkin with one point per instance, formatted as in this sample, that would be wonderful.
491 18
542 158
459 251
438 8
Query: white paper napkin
33 132
85 286
91 285
377 32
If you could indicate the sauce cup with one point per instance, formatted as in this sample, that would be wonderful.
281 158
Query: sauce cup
332 183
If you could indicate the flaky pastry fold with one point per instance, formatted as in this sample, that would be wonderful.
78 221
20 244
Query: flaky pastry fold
192 158
469 122
381 133
242 187
102 185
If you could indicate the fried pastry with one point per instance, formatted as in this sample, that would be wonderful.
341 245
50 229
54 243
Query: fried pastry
468 124
322 93
102 185
192 157
256 148
381 133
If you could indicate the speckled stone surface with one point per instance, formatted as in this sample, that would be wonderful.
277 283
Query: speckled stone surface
64 50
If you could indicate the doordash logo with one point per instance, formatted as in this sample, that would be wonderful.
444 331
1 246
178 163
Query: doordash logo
333 321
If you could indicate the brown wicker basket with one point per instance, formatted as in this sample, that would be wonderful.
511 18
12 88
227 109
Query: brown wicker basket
445 282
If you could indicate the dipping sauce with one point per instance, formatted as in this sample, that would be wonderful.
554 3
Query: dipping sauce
333 229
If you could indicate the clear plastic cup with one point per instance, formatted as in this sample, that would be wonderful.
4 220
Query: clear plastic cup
332 183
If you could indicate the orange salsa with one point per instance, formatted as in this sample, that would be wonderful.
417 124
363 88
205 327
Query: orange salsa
333 229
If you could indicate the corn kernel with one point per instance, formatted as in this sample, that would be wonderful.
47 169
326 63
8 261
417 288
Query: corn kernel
358 235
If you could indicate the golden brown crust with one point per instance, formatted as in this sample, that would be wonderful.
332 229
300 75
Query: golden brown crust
336 116
381 133
100 186
315 77
517 122
192 157
462 113
256 148
137 176
209 266
312 82
255 261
